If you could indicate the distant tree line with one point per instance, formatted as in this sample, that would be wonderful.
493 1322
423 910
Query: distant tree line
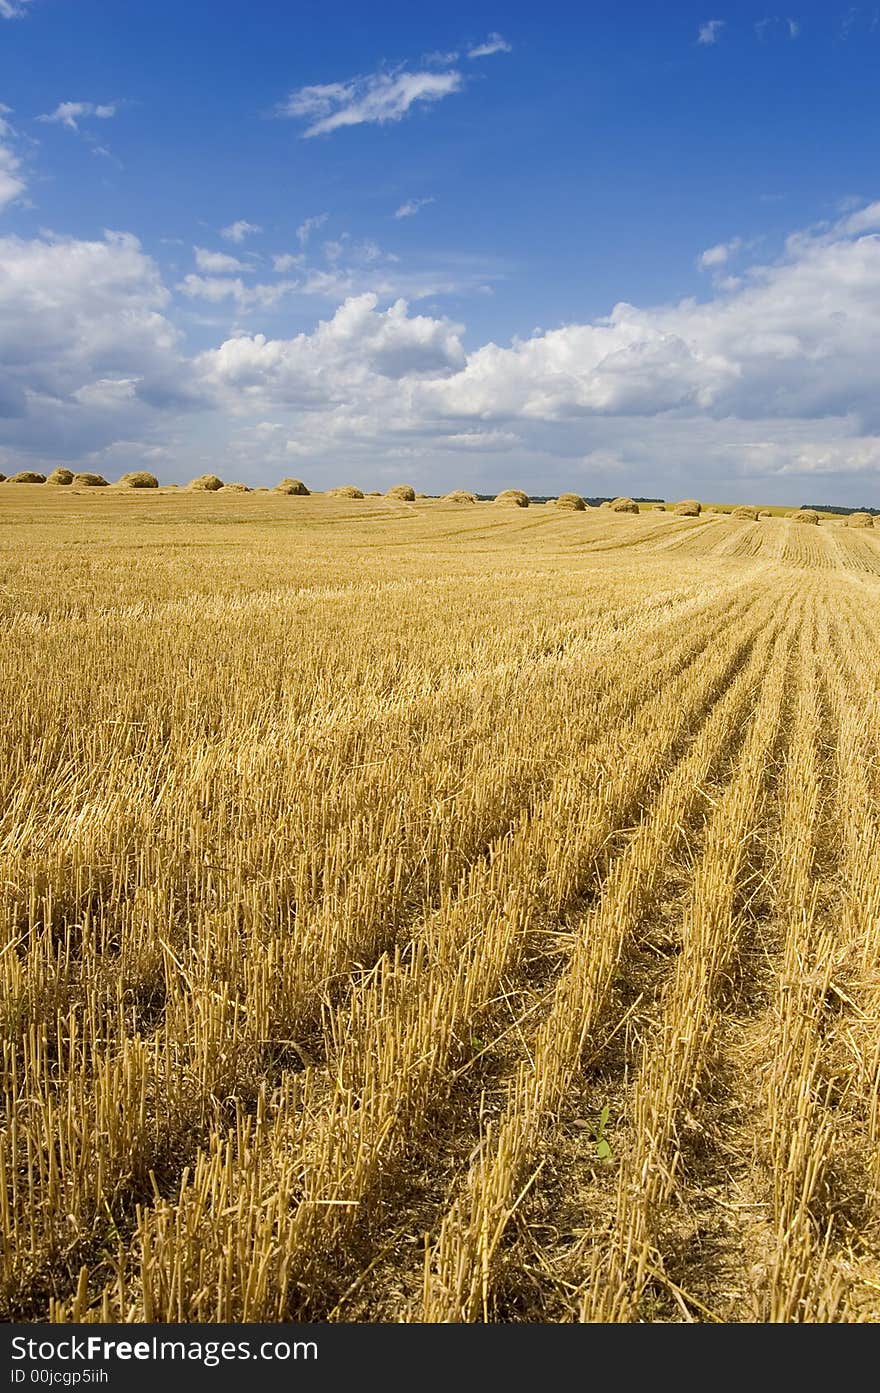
838 508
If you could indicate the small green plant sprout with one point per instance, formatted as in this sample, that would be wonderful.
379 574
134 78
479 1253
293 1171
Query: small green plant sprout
603 1145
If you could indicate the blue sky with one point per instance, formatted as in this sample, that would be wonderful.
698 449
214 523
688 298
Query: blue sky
621 248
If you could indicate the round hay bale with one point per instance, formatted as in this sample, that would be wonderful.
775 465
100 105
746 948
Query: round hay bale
138 479
60 476
808 515
571 503
513 498
688 508
206 483
860 520
621 505
763 513
744 513
27 476
403 493
236 488
459 496
89 481
345 491
295 487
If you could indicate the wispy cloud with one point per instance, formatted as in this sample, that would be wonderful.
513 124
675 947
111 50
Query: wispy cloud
13 9
12 185
285 261
495 43
789 27
216 289
216 262
710 32
375 99
308 226
412 206
70 114
719 255
237 231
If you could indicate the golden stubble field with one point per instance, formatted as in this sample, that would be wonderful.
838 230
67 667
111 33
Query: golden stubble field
432 912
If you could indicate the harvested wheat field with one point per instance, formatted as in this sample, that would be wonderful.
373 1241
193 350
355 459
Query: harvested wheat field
436 915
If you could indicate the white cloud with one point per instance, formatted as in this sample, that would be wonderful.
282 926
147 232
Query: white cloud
84 342
308 226
216 262
789 27
237 231
376 99
286 261
12 183
69 114
13 9
215 289
771 377
412 206
710 32
360 350
867 219
494 44
718 255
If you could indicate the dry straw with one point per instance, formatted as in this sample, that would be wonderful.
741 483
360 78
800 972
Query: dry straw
621 505
27 476
237 488
345 491
808 515
295 487
571 502
206 483
860 520
402 493
459 496
138 479
513 498
744 513
60 476
89 481
688 508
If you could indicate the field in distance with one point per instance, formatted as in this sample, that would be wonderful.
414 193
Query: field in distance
416 911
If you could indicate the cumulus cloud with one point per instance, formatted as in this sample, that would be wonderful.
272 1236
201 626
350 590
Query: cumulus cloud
412 206
216 262
70 114
710 32
13 9
770 377
84 340
237 231
344 355
493 44
374 99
